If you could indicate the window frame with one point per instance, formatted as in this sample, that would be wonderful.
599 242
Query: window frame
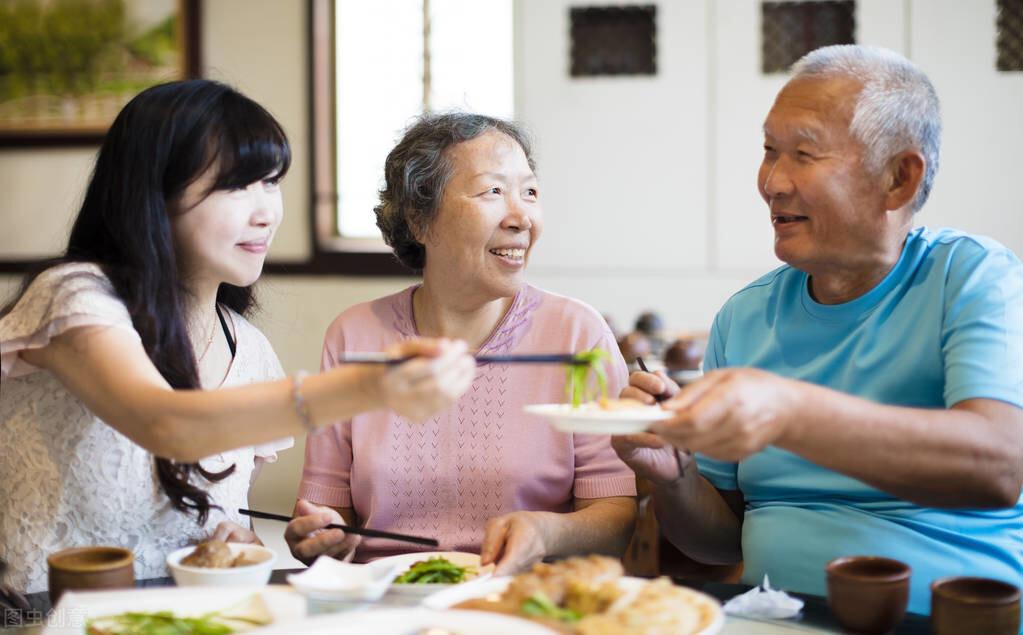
330 254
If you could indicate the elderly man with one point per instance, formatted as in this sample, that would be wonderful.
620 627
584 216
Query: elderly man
866 397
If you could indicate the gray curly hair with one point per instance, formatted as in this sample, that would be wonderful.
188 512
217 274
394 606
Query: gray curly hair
897 109
417 170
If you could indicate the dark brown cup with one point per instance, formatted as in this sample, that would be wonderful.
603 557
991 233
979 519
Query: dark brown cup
82 568
974 605
868 594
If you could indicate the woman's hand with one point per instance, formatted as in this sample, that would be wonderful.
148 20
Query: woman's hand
514 542
232 532
433 381
308 539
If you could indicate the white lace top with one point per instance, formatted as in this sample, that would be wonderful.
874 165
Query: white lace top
67 478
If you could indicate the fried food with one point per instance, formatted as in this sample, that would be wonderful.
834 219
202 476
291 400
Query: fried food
583 596
215 554
212 554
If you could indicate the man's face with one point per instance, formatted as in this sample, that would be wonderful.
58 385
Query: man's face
827 208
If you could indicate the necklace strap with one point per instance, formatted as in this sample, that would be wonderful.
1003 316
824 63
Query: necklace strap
231 343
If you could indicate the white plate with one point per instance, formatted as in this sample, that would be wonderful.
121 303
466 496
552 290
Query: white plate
405 621
590 419
75 608
495 586
406 560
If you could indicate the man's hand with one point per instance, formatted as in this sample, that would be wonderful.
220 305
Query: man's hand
649 388
730 414
650 457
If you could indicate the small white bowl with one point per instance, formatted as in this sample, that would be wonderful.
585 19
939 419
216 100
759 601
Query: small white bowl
249 575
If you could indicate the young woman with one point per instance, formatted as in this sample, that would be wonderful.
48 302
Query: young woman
108 356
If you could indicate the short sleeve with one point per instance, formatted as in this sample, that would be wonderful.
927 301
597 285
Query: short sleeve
982 330
326 474
720 474
599 473
60 299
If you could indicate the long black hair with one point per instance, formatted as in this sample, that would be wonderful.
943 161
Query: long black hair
162 141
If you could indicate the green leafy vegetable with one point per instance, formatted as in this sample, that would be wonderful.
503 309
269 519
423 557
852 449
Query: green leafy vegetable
539 605
158 623
578 383
251 611
436 570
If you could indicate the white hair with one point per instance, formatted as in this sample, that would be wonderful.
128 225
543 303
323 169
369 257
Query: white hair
897 109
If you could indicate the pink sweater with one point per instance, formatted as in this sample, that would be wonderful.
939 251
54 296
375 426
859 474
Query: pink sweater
484 457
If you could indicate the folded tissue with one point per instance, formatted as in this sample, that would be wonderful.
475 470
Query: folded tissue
330 578
764 602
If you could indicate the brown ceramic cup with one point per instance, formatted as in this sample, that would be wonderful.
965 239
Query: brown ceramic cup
974 605
81 568
868 594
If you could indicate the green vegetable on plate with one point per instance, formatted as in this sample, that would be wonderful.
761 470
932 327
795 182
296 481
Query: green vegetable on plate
435 570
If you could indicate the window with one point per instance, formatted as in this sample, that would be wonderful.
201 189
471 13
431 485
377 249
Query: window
790 30
1010 35
614 40
377 65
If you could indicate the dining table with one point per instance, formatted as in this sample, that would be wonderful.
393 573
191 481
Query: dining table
814 618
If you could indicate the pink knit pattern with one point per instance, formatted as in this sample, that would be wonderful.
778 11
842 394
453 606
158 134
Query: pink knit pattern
481 458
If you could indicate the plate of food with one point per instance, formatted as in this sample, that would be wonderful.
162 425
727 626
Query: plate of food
421 574
602 416
589 410
588 595
213 610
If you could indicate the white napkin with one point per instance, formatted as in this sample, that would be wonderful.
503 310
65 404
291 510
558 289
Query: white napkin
764 602
343 580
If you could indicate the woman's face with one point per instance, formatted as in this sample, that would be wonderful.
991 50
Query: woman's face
488 220
224 237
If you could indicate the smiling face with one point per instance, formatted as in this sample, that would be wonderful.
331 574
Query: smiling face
828 210
224 237
488 219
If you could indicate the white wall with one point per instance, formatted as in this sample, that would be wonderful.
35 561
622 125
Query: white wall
648 183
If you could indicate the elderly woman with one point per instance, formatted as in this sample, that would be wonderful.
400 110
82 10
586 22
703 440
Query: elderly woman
866 397
461 203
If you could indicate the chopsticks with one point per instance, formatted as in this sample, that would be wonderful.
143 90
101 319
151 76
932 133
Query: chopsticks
659 398
384 358
351 529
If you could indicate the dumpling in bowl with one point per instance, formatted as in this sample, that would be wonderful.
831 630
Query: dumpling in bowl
212 554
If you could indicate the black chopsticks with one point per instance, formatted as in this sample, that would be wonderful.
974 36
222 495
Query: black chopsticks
384 358
659 398
351 529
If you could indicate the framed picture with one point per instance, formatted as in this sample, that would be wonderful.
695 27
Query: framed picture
67 68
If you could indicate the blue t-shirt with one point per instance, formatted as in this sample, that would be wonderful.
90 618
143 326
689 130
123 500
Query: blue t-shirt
945 325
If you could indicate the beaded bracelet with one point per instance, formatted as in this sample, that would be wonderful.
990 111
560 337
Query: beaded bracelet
301 405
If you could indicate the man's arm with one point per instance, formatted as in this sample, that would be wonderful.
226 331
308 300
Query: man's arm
968 456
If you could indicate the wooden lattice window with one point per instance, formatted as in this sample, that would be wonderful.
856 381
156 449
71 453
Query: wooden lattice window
614 40
793 29
1010 35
